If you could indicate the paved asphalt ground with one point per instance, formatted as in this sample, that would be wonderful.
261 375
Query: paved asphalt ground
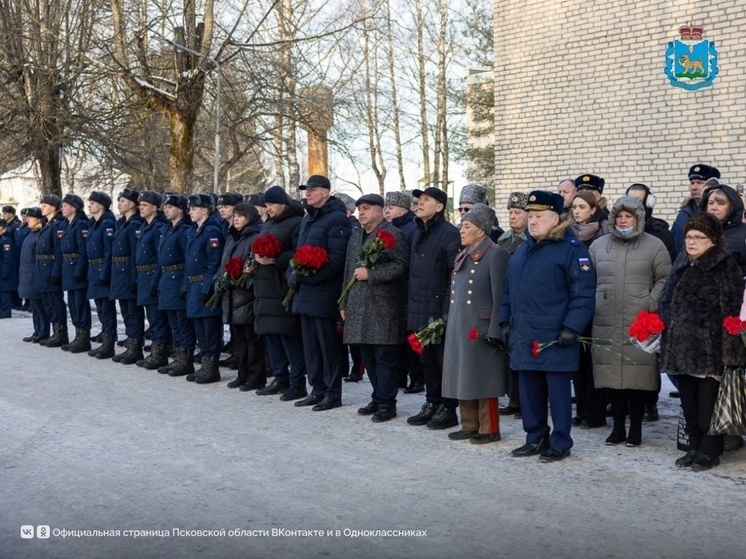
92 446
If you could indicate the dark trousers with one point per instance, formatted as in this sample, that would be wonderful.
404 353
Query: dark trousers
381 364
590 402
133 317
409 365
106 309
698 396
432 367
537 388
348 352
6 304
182 329
284 351
40 319
250 353
514 392
158 321
322 354
630 402
80 308
55 305
209 331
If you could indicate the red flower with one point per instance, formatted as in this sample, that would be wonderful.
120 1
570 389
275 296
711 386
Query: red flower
535 348
234 267
646 324
267 246
309 259
733 325
415 344
473 334
388 240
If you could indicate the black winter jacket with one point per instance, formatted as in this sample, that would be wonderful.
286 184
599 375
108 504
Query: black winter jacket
238 302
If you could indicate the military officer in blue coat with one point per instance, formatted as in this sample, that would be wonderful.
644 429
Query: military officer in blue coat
146 260
171 298
72 249
27 263
8 270
203 255
124 276
549 300
98 245
48 270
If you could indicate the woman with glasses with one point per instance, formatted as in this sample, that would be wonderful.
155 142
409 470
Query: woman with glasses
704 287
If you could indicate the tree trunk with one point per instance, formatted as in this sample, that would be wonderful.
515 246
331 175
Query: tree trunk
394 98
422 90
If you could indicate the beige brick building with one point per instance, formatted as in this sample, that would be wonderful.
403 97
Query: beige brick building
580 87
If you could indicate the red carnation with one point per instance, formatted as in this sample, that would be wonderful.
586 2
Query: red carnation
473 334
234 268
733 325
535 348
388 240
267 246
646 324
415 344
308 259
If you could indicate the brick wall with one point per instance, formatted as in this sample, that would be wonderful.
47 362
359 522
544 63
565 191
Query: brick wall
580 88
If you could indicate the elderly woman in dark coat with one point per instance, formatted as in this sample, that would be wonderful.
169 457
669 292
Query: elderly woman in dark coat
704 287
474 369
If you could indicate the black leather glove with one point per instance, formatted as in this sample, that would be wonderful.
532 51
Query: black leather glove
133 288
182 294
494 342
153 291
55 280
504 333
79 279
567 337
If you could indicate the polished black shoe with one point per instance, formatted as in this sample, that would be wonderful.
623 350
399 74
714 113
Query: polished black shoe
384 413
29 338
530 449
554 455
250 387
587 425
686 460
480 438
311 400
353 377
426 414
370 409
704 462
617 436
443 419
414 388
235 383
509 410
294 393
651 413
461 435
274 387
327 404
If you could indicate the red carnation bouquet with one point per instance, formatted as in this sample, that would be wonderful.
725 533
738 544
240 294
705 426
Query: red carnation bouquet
267 246
430 333
735 327
237 272
645 331
370 254
307 260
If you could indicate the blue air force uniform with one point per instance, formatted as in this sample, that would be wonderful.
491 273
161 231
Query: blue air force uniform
551 289
171 297
48 270
98 246
124 275
146 260
74 257
8 273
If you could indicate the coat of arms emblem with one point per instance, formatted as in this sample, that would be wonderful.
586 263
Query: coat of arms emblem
691 61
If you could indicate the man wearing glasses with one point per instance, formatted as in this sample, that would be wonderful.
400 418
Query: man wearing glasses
476 194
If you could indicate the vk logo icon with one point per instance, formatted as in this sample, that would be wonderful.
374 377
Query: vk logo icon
27 532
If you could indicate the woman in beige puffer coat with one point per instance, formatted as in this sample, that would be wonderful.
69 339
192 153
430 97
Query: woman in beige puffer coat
631 268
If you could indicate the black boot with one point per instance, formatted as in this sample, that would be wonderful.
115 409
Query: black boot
636 401
135 352
386 412
618 434
158 357
443 418
106 349
168 367
210 371
82 341
426 414
60 337
66 347
184 364
118 357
